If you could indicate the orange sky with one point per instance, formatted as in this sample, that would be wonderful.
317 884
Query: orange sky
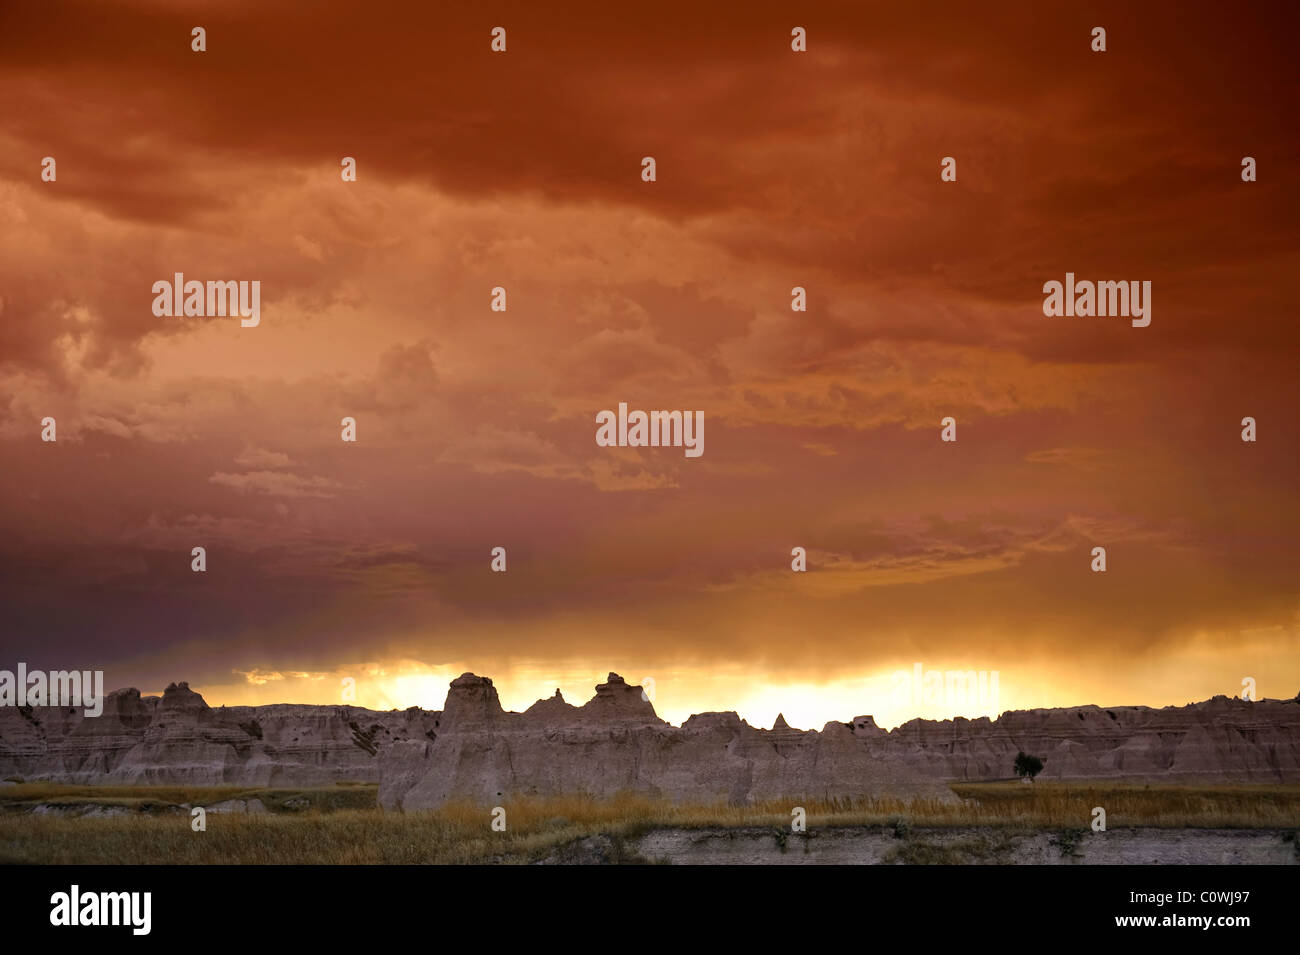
477 428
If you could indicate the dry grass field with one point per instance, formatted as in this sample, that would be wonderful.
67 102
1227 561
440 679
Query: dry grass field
41 823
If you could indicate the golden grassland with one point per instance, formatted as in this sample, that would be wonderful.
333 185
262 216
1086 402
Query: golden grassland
342 824
146 799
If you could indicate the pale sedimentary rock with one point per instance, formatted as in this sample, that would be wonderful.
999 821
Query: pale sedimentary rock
616 744
178 739
474 750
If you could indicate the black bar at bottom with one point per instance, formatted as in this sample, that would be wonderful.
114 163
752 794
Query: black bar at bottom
930 904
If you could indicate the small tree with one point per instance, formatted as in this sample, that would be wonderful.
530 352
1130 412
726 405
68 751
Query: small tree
1027 765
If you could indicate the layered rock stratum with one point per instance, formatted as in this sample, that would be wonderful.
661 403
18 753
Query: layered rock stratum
614 743
178 739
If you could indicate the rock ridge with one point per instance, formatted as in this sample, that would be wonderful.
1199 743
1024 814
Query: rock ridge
475 750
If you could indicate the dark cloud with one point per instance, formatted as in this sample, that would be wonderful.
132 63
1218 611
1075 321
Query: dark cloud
476 428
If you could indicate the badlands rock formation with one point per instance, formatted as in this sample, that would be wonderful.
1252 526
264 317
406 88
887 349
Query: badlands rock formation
1219 740
177 738
473 749
615 743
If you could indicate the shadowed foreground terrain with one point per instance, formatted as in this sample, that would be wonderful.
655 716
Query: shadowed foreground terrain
987 823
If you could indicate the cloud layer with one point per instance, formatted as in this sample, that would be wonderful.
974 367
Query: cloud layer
476 428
